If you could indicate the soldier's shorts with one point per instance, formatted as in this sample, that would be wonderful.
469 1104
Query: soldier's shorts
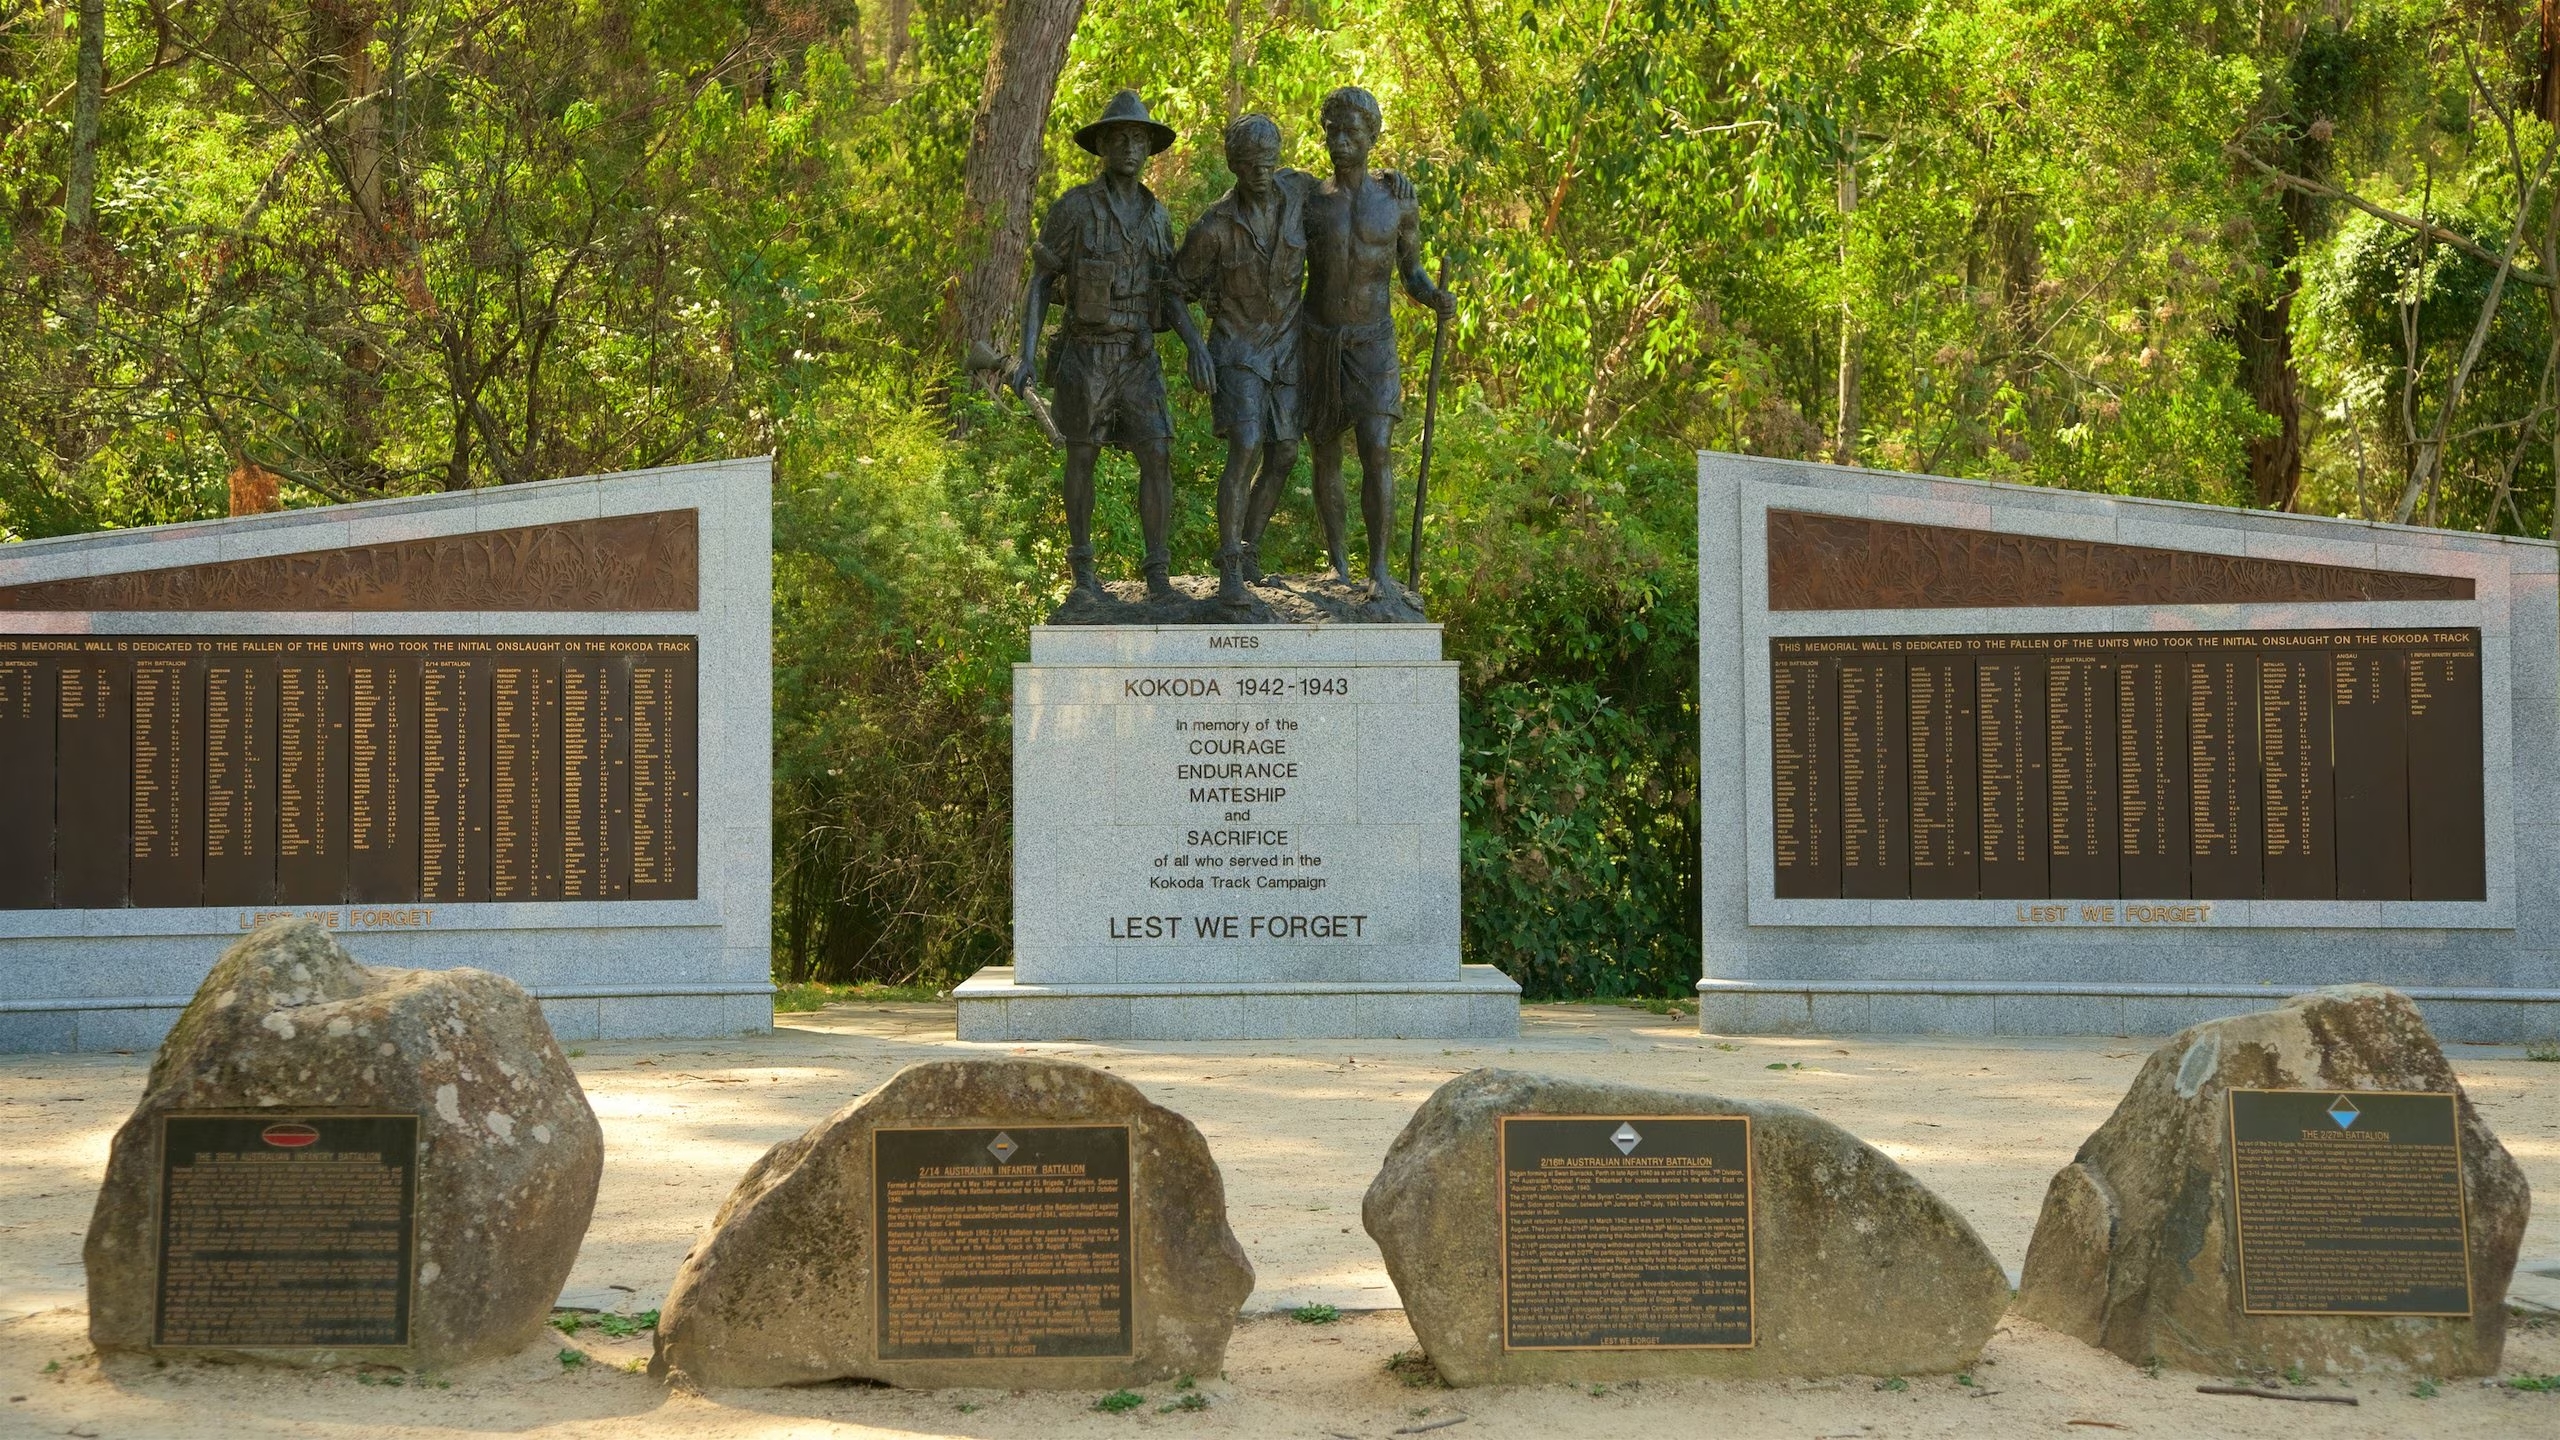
1109 392
1247 401
1349 374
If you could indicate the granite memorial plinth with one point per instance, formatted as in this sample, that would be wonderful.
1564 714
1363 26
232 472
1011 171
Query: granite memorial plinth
1236 831
339 1165
2307 1187
1015 1223
1543 1229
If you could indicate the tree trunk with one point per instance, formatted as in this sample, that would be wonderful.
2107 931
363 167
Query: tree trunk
80 194
1844 442
2546 92
2266 362
2266 339
1240 55
1003 165
896 23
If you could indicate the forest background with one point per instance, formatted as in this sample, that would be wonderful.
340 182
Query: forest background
2298 256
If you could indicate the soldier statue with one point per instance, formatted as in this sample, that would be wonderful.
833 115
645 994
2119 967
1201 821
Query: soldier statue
1362 234
1106 252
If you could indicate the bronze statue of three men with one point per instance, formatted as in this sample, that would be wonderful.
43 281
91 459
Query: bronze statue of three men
1294 272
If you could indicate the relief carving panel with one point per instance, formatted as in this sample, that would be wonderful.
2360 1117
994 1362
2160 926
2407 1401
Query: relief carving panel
1840 562
627 562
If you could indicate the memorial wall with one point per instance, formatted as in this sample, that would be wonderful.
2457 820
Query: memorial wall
525 729
1999 758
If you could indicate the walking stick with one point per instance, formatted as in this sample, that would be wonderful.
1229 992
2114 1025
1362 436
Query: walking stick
1430 422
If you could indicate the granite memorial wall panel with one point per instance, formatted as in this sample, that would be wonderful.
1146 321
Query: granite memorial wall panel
1983 758
525 728
244 771
2279 765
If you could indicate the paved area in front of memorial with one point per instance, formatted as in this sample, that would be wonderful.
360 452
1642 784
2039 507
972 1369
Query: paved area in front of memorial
1298 1128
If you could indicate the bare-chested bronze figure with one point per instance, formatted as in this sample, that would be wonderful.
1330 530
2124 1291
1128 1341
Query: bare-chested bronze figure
1361 237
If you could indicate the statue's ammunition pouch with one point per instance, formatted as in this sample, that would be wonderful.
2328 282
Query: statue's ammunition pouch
1093 291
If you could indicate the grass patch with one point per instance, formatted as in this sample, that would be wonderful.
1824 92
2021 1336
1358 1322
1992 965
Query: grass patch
817 995
2545 1050
1416 1370
1189 1400
1119 1402
618 1327
2547 1384
571 1359
1663 1005
2423 1390
1315 1312
1894 1383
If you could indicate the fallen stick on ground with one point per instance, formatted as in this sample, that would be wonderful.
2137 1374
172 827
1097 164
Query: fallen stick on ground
1433 1425
2275 1394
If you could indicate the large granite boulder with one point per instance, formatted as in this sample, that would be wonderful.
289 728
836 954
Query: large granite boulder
289 1027
2134 1251
785 1290
1858 1269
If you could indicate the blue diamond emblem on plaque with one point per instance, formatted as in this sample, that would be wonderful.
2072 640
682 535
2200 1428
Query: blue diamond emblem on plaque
1002 1147
2344 1111
1625 1138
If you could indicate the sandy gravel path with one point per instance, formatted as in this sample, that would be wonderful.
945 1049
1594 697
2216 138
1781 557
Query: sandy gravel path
1298 1130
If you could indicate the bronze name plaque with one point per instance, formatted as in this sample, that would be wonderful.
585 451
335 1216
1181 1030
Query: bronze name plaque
1843 562
2349 1203
248 771
286 1231
1004 1242
2236 765
1623 1232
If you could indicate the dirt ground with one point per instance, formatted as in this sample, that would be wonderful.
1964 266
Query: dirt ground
1298 1130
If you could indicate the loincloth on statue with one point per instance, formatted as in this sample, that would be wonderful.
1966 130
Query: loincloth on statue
1108 392
1348 374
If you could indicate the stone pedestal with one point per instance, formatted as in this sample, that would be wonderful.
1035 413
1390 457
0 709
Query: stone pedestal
1236 832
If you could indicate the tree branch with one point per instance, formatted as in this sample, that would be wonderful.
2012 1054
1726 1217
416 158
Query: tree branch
2457 240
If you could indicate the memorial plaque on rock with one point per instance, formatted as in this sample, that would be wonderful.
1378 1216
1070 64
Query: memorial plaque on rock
1002 1243
2303 1187
335 1165
1626 1231
286 1230
2349 1203
1037 1213
1541 1229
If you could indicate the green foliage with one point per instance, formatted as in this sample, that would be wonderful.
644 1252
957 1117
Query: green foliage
1315 1313
1119 1402
2548 1384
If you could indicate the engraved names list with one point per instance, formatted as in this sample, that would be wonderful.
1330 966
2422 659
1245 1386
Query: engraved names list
2277 765
182 771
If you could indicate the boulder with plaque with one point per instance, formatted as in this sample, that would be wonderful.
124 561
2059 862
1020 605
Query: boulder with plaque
1545 1229
338 1165
1018 1223
2306 1186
